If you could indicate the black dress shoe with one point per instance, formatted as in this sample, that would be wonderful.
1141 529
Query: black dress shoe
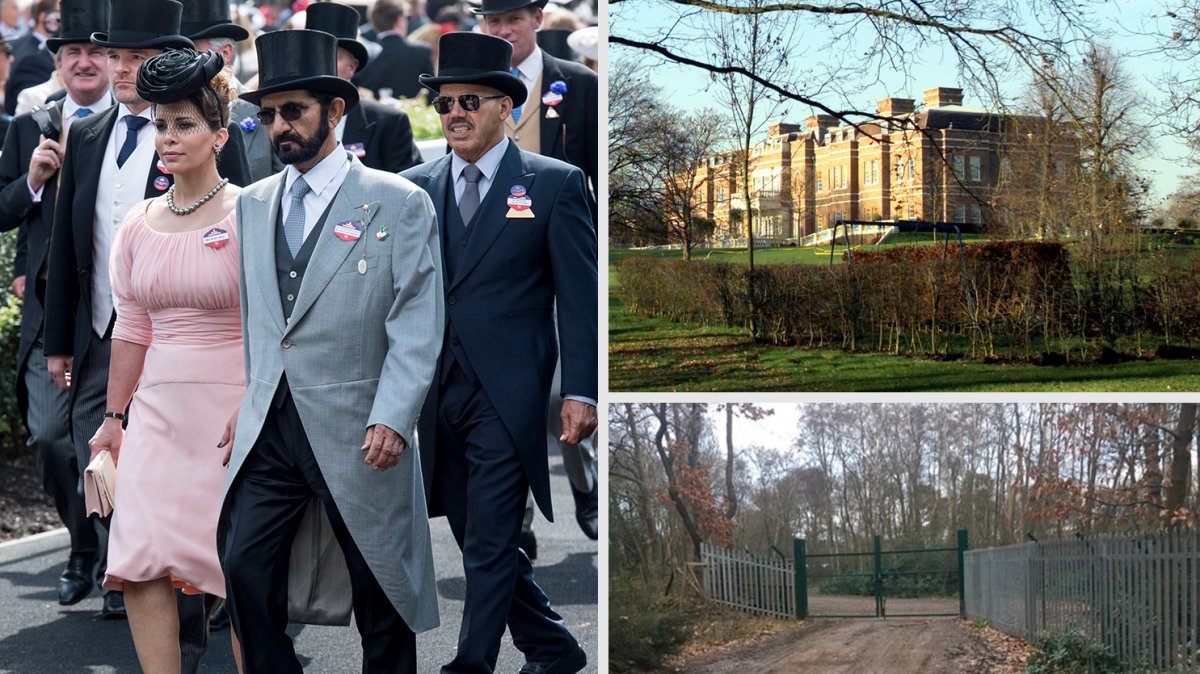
529 544
75 583
219 619
587 509
114 606
568 664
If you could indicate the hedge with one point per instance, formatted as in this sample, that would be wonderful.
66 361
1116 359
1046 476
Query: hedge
1010 300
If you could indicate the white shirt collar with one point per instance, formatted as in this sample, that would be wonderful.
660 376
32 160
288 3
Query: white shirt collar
319 176
123 110
70 107
487 164
531 67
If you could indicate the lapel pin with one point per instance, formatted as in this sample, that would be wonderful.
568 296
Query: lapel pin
381 233
161 183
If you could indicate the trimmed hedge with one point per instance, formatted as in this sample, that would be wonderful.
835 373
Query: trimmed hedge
1015 300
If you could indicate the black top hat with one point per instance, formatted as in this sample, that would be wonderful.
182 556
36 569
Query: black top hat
502 6
475 58
204 19
341 22
143 24
80 18
299 60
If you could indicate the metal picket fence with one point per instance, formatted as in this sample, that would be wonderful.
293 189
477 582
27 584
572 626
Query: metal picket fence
761 585
1137 593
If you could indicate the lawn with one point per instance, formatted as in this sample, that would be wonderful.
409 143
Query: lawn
647 354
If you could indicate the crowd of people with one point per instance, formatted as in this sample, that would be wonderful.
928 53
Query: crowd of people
297 337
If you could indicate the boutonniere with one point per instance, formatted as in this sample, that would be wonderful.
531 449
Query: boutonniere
554 97
248 124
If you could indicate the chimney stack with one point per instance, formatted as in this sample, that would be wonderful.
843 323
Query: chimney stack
894 107
939 97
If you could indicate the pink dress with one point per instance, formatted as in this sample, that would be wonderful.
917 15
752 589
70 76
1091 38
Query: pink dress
179 297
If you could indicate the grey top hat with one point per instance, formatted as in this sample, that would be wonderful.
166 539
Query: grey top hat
143 24
341 22
80 18
299 60
205 19
475 58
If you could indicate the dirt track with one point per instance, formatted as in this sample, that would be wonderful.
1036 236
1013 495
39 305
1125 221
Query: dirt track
869 646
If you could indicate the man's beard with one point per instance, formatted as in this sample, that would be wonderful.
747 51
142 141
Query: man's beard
305 150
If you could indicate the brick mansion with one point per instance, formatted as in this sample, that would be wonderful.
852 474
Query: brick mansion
803 178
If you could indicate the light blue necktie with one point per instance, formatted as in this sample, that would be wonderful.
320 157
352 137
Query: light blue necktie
293 226
83 112
516 113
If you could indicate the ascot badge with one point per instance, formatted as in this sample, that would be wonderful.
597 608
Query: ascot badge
215 238
554 97
519 205
348 230
161 183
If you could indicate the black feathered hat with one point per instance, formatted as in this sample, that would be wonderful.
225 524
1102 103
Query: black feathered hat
299 60
341 22
143 24
475 58
80 18
206 19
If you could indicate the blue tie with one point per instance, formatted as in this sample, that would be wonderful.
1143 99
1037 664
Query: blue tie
133 123
516 113
83 112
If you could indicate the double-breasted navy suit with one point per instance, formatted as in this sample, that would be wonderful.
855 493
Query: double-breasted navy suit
482 428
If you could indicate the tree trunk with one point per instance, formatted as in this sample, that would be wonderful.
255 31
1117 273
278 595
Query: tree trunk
1181 457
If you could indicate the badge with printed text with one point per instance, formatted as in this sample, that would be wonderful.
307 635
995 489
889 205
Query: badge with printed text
215 237
161 183
357 149
348 230
518 203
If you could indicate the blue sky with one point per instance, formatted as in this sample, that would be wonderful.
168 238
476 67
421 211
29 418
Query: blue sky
1123 24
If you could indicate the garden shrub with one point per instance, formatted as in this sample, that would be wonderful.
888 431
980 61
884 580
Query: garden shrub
1072 652
644 630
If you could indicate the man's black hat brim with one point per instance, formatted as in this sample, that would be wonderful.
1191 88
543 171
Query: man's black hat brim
322 84
132 40
506 83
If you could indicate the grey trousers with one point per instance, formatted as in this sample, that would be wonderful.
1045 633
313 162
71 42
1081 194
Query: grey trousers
48 420
89 393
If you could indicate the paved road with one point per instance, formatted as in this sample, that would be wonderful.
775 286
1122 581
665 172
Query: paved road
39 636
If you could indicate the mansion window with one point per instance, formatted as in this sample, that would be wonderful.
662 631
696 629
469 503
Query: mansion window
976 170
976 215
960 166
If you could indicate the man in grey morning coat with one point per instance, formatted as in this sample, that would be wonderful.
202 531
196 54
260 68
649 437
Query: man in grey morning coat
342 314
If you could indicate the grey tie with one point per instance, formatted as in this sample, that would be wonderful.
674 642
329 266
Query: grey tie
293 226
469 203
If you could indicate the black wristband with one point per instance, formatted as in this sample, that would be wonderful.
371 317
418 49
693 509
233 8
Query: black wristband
114 415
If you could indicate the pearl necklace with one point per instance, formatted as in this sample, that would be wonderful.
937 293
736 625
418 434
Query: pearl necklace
200 202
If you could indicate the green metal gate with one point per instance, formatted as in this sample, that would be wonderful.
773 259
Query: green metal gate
857 578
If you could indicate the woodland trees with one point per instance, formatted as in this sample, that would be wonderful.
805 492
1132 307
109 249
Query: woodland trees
912 473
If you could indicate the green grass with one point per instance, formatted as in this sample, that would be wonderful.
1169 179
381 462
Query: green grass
647 354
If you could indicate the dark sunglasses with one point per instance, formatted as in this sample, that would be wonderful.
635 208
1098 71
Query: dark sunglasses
290 112
468 102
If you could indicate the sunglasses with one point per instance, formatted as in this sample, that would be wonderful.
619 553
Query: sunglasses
468 102
290 112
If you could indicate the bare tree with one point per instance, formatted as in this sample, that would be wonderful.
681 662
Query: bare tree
682 145
752 49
